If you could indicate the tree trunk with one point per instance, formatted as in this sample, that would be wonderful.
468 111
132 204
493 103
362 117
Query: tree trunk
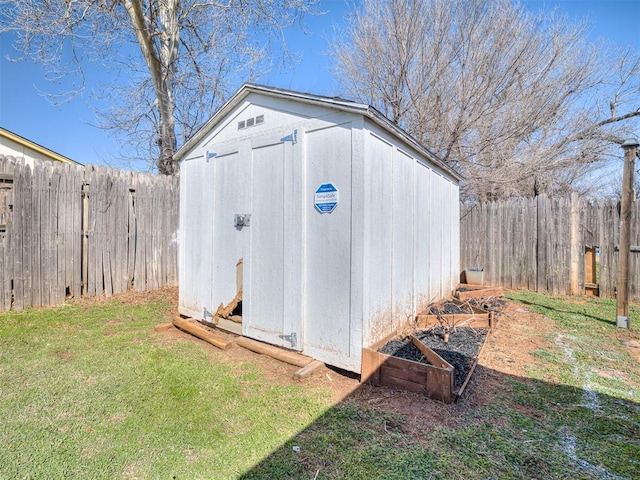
161 68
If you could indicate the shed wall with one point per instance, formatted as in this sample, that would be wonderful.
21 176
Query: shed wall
410 234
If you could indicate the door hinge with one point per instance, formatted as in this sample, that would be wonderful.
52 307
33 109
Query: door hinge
293 339
206 313
292 137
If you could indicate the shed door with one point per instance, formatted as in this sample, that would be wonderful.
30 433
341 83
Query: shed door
227 240
268 313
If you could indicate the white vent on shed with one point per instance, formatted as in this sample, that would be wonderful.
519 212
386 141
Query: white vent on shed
250 122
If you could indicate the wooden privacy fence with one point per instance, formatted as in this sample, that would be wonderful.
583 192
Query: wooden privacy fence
547 244
67 230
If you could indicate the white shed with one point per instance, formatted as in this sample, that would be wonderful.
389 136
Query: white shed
337 226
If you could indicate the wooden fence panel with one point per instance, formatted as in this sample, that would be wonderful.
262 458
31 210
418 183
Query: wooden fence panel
67 231
634 260
609 234
530 244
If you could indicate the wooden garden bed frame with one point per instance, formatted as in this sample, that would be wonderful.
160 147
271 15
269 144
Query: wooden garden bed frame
475 291
477 319
436 381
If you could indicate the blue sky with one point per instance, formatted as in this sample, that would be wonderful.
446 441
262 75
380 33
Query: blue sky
68 129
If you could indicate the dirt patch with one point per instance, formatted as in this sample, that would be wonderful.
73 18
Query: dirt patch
632 344
133 298
65 354
515 336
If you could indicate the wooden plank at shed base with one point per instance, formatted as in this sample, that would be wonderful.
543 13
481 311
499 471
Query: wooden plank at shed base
291 358
307 370
202 333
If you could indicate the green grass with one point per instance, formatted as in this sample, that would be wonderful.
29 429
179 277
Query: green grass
92 392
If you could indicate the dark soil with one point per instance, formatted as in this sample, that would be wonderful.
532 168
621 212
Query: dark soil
460 351
403 349
448 308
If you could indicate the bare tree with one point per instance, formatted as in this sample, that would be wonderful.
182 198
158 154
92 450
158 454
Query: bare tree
176 60
513 100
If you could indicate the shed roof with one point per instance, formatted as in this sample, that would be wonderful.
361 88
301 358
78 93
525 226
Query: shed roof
333 102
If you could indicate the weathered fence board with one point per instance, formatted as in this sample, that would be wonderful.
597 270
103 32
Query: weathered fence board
67 231
531 244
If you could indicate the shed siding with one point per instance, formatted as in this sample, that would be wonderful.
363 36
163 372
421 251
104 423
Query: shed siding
265 266
278 114
421 234
454 248
403 238
378 236
327 251
434 252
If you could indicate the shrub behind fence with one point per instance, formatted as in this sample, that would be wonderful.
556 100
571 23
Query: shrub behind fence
68 230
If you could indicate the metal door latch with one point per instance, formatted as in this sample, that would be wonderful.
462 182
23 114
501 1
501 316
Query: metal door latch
242 220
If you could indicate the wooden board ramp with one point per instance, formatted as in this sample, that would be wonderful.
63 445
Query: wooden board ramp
202 333
286 356
308 370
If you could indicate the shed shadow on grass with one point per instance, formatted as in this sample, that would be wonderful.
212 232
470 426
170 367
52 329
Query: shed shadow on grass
504 426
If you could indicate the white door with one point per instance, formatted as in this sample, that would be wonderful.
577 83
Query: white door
227 239
272 305
196 239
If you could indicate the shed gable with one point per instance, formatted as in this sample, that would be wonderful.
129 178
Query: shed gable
257 115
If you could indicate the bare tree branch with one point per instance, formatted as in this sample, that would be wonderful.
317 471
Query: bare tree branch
516 101
177 60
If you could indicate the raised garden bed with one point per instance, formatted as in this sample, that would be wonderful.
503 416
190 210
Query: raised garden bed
434 379
423 362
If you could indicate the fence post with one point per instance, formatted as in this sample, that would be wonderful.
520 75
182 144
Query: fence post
622 295
576 245
85 236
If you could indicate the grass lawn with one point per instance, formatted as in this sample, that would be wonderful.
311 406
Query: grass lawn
89 390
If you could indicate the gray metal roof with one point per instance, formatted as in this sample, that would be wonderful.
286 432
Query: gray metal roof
333 102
